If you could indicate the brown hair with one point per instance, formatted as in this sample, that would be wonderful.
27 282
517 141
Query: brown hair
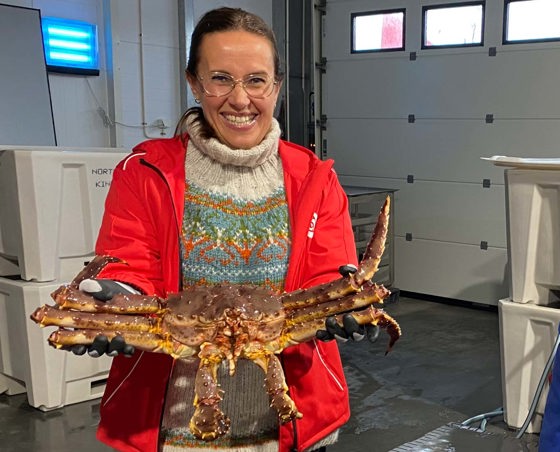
224 19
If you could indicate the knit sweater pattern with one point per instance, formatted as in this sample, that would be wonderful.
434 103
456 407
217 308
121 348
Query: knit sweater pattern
234 229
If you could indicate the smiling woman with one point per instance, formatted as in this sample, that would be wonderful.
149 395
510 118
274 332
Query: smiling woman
224 201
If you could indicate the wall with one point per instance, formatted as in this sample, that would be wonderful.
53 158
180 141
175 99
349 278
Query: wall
139 75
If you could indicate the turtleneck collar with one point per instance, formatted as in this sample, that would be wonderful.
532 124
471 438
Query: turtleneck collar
225 155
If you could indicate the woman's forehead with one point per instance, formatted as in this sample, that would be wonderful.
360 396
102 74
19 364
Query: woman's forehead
236 49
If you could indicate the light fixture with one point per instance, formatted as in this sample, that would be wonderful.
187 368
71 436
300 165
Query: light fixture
70 46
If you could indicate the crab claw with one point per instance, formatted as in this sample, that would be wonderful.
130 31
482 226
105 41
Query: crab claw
93 268
375 248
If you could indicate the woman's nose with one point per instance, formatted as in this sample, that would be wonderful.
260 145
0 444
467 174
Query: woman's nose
239 96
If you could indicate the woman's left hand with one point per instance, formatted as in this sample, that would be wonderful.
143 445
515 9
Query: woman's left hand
349 330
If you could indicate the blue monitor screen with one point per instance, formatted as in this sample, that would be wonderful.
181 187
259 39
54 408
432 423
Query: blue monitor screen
70 46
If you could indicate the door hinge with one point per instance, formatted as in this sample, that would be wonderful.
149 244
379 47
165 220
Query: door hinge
321 6
322 65
324 153
322 122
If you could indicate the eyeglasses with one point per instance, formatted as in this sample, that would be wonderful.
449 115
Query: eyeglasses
217 84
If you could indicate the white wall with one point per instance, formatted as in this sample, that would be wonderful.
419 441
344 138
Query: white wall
146 70
140 73
130 93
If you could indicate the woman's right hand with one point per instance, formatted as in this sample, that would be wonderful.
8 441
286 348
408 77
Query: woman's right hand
103 290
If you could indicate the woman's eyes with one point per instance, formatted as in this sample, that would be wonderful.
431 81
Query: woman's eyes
255 81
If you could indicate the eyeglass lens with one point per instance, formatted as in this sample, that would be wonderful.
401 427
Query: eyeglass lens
218 84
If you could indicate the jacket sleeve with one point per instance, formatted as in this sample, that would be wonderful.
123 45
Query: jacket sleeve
333 242
128 230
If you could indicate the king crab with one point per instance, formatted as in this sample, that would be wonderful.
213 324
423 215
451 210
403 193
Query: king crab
223 322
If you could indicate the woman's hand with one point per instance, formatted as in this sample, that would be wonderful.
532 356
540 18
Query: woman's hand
349 330
103 290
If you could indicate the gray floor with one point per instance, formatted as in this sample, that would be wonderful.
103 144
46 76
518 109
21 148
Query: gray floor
445 369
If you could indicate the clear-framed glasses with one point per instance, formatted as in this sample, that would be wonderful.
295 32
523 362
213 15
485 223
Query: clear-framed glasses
218 84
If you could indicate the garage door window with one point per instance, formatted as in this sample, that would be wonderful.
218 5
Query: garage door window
531 21
378 31
460 25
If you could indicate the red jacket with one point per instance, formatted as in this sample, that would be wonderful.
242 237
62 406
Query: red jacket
143 213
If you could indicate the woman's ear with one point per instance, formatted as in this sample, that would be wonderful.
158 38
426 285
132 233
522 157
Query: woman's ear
194 85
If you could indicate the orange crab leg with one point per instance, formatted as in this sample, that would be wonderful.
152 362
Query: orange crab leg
68 297
208 421
277 388
94 267
376 246
140 340
49 316
369 295
306 331
352 283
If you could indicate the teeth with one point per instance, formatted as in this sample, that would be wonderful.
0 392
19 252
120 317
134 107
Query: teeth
241 120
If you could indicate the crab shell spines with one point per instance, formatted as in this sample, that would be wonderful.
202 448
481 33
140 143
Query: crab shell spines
201 314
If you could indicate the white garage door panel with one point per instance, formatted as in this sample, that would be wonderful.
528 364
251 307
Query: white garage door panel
435 149
466 85
447 212
427 149
450 270
367 99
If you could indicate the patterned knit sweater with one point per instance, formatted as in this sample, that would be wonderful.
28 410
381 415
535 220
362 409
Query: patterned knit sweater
235 229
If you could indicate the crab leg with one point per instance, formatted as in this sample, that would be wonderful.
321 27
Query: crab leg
139 340
277 389
208 421
369 295
304 332
94 267
375 248
69 297
48 316
351 283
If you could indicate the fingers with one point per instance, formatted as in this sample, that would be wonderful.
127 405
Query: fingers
349 330
99 346
347 269
104 289
102 345
335 330
119 346
324 335
351 327
78 349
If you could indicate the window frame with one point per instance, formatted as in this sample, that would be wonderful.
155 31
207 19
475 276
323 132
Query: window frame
373 13
426 8
519 41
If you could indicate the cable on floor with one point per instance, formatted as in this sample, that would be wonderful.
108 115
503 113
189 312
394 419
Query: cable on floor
483 418
540 388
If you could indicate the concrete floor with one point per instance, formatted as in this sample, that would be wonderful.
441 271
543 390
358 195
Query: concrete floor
445 369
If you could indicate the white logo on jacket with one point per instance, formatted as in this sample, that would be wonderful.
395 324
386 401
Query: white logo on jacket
311 229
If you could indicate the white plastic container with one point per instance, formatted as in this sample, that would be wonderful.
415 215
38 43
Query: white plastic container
51 205
52 378
528 332
533 225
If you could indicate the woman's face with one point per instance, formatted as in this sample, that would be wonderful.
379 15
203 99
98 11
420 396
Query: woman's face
240 121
